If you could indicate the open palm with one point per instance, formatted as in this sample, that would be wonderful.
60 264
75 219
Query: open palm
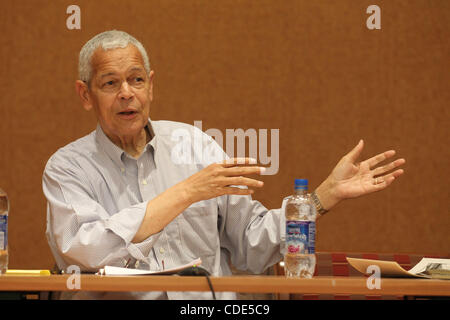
352 179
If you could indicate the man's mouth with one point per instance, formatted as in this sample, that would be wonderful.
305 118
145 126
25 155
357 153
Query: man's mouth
128 114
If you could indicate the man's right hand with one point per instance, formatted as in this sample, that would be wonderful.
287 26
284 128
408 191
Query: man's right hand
213 181
222 178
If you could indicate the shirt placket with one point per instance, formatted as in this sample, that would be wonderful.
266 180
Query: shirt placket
147 190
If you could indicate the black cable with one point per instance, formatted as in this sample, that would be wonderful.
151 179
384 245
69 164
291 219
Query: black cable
210 286
198 271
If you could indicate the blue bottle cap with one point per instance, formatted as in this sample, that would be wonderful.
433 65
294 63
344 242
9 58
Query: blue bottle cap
301 183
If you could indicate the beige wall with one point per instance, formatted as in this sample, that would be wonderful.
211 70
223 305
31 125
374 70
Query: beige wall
309 68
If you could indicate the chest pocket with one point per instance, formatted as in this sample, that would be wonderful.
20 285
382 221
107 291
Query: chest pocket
198 229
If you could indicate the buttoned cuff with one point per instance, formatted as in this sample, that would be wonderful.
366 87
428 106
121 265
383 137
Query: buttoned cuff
141 250
126 223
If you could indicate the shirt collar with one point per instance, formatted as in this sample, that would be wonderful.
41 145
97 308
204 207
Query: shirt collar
115 152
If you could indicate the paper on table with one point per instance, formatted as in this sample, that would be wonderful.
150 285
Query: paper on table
393 269
118 271
387 268
427 264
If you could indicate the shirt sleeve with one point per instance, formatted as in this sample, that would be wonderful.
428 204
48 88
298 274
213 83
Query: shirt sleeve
81 231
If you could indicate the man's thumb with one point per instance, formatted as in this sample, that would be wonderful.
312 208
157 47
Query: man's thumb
354 154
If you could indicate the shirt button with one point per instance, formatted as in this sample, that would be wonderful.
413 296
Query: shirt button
144 182
122 169
136 265
161 250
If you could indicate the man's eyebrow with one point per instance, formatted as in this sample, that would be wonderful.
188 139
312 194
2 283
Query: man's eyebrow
107 74
136 69
140 69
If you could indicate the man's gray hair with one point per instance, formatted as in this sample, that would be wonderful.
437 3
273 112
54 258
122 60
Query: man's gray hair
108 40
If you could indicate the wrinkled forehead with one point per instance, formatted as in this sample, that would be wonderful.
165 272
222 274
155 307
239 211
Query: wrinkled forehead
117 60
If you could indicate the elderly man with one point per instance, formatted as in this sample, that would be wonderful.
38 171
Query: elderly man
115 197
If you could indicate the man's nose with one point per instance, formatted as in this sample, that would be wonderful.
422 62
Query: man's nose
125 91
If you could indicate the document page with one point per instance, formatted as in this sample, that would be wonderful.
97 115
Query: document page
118 271
387 268
426 268
428 264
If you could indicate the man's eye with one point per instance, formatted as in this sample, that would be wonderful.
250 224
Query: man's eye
108 83
137 81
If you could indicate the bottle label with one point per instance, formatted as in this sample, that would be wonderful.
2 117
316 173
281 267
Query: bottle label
301 237
3 232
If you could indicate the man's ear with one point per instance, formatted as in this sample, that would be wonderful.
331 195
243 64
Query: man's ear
83 91
150 88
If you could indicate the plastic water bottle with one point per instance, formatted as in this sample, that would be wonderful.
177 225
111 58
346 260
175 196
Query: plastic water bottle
4 209
300 212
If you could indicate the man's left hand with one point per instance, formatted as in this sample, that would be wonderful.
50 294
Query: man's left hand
351 179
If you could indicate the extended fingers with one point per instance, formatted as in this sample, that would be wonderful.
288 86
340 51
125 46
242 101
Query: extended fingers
372 162
243 181
229 173
240 171
239 167
390 166
384 181
395 174
237 161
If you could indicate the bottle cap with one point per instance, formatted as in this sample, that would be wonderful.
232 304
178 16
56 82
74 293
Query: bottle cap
301 183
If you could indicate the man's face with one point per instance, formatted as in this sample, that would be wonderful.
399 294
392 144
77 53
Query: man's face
120 91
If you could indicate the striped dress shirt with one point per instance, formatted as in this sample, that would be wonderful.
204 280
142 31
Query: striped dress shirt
97 196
